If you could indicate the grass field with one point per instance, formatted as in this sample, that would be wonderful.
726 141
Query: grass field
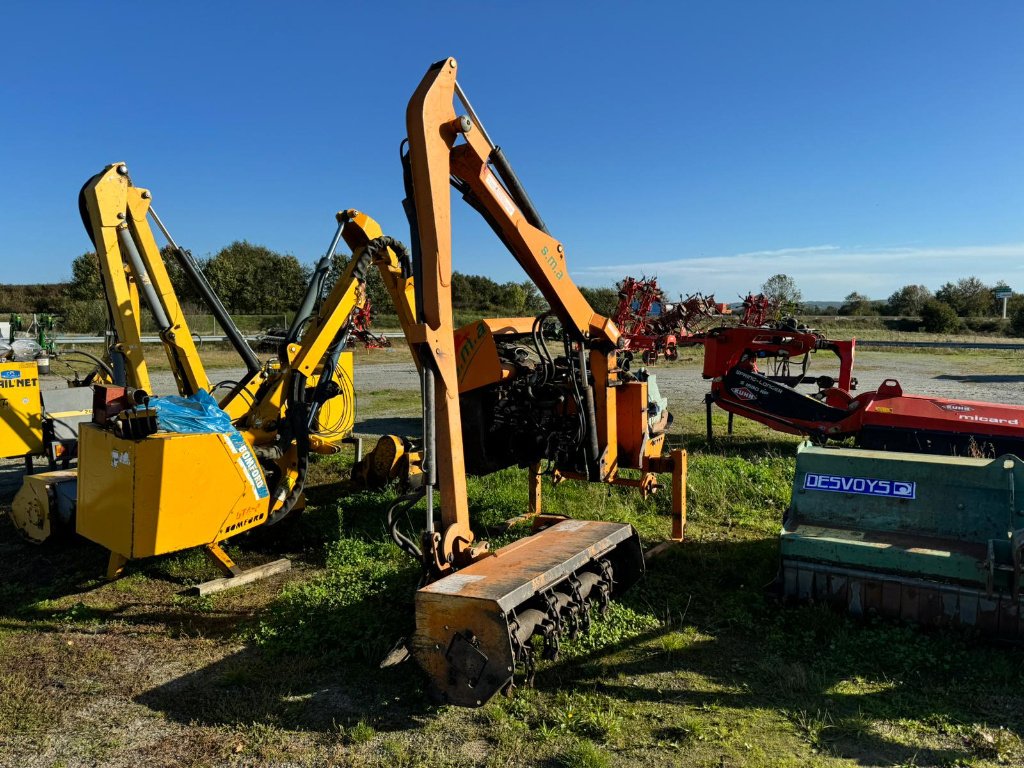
695 667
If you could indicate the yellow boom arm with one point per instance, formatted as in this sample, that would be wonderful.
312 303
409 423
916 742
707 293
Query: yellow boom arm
115 213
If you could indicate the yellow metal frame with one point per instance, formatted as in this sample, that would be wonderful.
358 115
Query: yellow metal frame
116 206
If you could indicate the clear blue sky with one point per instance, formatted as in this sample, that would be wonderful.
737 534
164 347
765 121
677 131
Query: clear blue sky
854 145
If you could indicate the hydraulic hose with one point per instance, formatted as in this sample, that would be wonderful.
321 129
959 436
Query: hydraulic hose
591 444
201 285
314 290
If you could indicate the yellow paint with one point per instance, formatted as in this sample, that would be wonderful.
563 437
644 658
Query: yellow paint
164 493
21 417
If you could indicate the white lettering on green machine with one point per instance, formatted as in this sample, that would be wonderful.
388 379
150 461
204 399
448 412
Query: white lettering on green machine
866 486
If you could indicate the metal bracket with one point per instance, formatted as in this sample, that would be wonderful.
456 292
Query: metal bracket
466 658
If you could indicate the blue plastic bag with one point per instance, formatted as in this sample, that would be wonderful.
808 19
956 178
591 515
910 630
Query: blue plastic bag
195 414
200 414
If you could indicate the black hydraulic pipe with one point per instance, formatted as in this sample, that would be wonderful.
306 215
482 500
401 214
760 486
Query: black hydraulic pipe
590 413
516 189
409 205
314 289
198 281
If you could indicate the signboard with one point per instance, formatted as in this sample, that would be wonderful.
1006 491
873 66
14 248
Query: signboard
1003 293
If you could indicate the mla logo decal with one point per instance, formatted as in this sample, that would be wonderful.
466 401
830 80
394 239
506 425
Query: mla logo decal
743 393
865 486
10 374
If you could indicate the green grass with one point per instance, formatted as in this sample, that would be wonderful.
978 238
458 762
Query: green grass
695 666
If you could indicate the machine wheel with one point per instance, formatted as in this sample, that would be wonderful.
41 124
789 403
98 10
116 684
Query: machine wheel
672 353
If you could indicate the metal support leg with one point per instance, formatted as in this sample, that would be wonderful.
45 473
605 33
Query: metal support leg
708 400
221 559
679 470
358 443
115 565
731 414
535 491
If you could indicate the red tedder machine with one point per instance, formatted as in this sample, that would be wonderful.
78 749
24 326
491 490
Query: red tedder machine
755 373
362 320
653 326
758 310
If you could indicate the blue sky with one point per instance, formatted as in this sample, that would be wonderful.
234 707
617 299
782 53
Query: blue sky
853 145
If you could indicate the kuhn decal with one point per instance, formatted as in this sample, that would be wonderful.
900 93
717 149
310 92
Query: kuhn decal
866 486
958 407
743 393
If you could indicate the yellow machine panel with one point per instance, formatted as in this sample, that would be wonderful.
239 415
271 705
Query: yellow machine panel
21 417
148 497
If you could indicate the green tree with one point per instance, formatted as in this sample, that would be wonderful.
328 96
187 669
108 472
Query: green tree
182 287
86 283
252 279
513 298
1017 319
535 302
376 291
968 296
781 290
859 305
603 300
938 317
908 300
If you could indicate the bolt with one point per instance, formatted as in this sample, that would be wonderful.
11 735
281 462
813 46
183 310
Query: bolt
120 216
451 63
437 647
560 249
122 169
146 195
465 124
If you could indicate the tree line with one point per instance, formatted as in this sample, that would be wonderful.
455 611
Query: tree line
941 312
254 280
251 279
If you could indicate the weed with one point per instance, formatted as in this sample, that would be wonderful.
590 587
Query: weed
814 727
619 624
197 603
357 608
360 733
578 715
264 740
396 753
583 754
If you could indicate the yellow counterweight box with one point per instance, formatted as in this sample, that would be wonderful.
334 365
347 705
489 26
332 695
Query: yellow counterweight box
166 492
21 414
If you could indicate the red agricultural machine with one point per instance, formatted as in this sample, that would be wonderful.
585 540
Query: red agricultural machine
758 310
755 373
653 326
362 322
